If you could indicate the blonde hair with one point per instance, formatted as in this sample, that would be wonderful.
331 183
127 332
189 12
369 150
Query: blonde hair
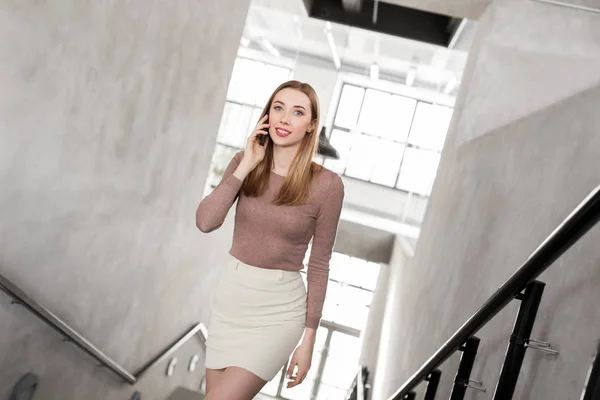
296 187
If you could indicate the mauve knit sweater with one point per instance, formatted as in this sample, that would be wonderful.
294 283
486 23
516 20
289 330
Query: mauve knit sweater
277 236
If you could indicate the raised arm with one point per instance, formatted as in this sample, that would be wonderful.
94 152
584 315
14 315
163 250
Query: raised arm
213 209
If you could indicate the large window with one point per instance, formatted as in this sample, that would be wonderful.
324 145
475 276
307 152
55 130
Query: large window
388 139
337 348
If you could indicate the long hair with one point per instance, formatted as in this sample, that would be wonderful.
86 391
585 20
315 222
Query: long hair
296 187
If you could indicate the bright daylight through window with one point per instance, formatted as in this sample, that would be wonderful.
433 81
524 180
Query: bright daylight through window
388 139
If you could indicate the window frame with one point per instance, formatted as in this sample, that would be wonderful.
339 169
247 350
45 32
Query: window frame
420 95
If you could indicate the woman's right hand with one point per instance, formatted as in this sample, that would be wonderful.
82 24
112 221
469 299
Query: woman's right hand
254 152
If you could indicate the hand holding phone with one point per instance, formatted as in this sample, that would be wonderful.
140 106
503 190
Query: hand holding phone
255 146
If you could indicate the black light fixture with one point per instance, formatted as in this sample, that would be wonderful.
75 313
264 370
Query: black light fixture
325 148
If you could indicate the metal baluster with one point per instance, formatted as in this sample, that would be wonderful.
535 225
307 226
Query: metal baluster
410 396
433 381
517 345
463 381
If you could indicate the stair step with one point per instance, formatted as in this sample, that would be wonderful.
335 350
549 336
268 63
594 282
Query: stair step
185 394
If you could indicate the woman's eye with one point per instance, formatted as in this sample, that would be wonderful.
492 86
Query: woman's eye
299 113
277 108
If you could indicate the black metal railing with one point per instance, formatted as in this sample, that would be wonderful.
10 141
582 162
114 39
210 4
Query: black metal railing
521 286
21 298
359 390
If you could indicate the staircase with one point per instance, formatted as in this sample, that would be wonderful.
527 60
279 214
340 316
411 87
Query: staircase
185 394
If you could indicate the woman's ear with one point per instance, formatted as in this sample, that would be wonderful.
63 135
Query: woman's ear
311 127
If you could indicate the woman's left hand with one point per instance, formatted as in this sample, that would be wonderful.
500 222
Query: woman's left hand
301 359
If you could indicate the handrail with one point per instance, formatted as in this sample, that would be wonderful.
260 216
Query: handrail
358 388
20 297
579 222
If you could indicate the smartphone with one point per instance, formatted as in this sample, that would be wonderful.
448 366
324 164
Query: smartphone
262 139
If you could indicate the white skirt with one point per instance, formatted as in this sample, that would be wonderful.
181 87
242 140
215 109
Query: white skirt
257 319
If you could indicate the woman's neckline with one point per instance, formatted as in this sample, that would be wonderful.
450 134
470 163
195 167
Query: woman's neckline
276 174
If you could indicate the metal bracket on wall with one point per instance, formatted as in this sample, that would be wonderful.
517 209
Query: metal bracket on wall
25 388
475 385
569 5
544 347
171 367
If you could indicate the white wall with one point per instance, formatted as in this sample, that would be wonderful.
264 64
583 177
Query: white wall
108 119
523 151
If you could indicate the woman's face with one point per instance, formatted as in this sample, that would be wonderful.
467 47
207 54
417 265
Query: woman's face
290 118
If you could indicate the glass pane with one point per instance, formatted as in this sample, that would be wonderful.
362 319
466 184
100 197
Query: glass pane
371 276
400 114
373 118
342 141
270 78
253 121
220 160
386 115
327 392
363 155
353 315
343 344
387 163
331 301
430 126
234 125
361 273
243 85
349 106
314 368
337 266
352 297
272 386
418 171
342 361
320 339
300 392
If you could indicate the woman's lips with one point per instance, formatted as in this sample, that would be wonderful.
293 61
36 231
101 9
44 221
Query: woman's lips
282 132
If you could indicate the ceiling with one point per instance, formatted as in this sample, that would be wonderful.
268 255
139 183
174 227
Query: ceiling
471 9
285 24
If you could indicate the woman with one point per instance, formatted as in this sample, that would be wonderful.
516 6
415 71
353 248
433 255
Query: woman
261 307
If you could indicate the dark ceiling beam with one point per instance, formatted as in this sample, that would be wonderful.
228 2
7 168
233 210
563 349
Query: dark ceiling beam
390 19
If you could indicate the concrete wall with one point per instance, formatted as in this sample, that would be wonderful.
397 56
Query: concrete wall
522 152
108 118
387 353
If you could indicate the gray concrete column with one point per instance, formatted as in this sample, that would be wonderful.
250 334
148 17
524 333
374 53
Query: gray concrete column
522 152
371 336
389 344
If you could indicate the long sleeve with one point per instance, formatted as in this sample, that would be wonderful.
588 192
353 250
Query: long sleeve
322 247
213 209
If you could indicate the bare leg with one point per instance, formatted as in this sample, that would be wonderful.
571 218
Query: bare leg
213 377
236 384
